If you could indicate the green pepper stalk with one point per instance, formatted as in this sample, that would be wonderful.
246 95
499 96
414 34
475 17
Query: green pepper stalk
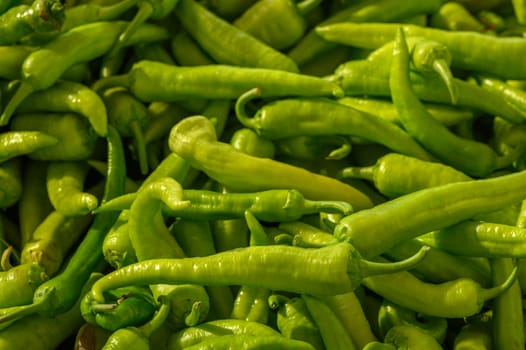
323 271
22 20
21 142
194 139
130 117
194 335
59 294
318 116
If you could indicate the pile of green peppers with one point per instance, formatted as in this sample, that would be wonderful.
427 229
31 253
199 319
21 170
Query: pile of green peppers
262 174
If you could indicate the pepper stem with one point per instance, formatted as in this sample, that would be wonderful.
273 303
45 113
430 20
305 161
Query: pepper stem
110 82
275 301
336 207
371 268
140 145
342 151
240 108
116 204
490 293
158 319
366 172
24 90
144 12
442 68
193 317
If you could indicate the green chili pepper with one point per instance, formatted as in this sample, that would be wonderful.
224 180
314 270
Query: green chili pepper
195 238
294 320
279 24
221 40
22 20
173 83
130 117
507 313
469 49
52 240
150 239
410 337
60 293
42 333
475 335
251 342
439 265
16 143
437 207
138 337
371 78
314 147
10 182
11 58
76 140
194 139
519 9
43 67
479 239
347 307
65 187
312 44
396 174
333 333
19 283
294 117
333 269
391 315
447 115
514 96
193 335
68 96
117 247
84 13
455 16
472 157
130 306
187 52
34 204
462 297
